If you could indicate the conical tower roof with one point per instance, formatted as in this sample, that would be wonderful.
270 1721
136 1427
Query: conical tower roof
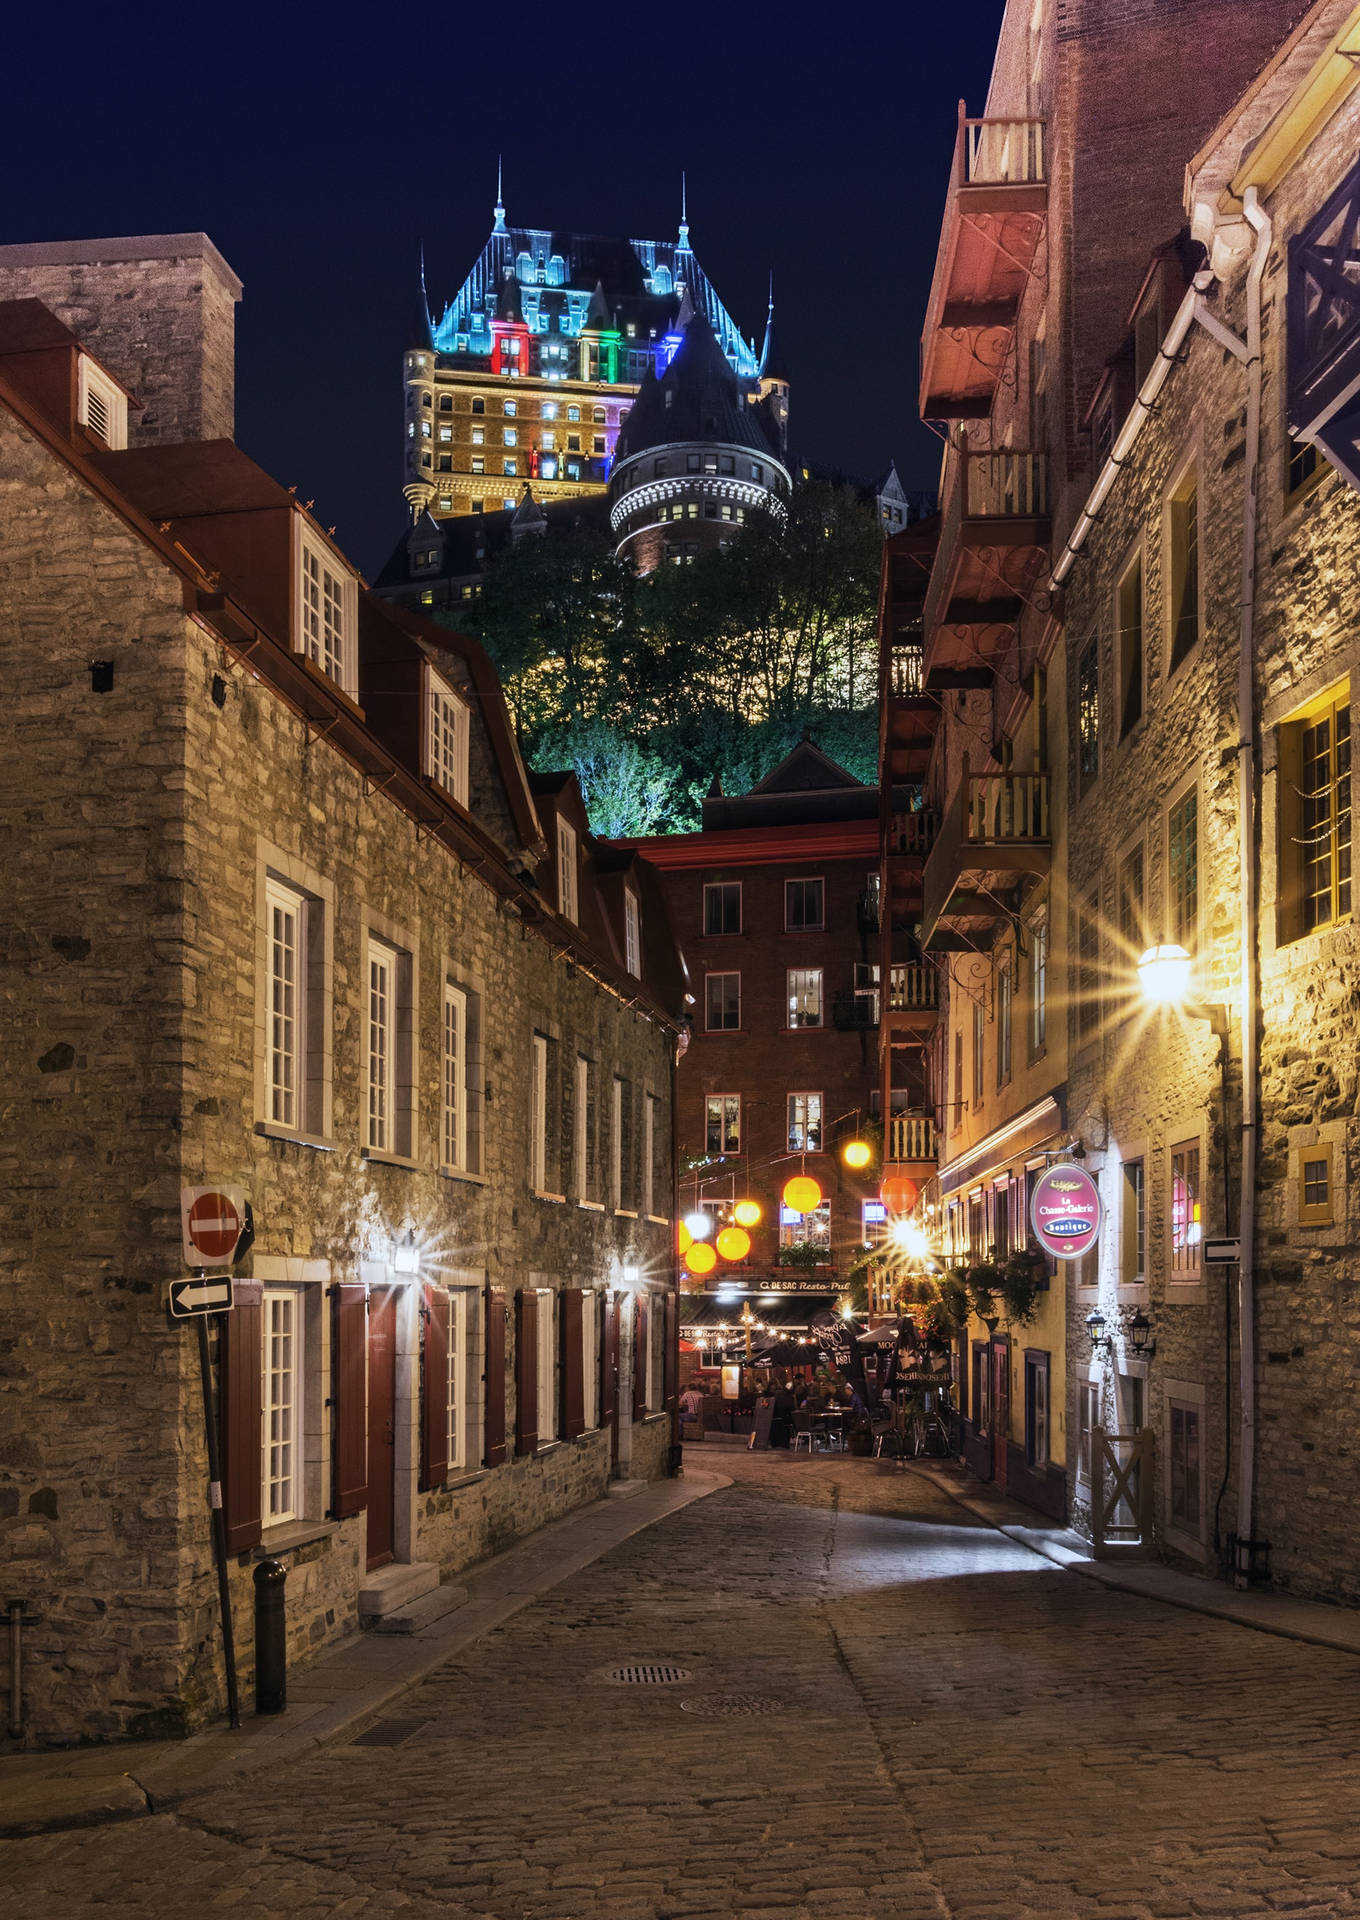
697 398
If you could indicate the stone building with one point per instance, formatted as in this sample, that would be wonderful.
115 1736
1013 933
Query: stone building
775 901
285 920
1060 196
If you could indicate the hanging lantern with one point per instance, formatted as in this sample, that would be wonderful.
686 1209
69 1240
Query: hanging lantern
684 1238
700 1224
802 1194
700 1258
898 1193
746 1213
734 1243
857 1154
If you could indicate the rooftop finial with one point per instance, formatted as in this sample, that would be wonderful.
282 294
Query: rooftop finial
684 214
500 200
771 308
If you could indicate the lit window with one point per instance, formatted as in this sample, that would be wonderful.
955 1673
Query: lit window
722 1123
326 614
479 436
281 1410
549 409
803 996
547 441
389 1060
808 1229
1185 1212
1183 869
805 1122
446 739
1088 716
512 406
294 1008
510 436
1315 817
573 413
478 466
566 869
446 433
511 470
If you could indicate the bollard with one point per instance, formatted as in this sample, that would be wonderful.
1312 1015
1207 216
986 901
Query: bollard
271 1643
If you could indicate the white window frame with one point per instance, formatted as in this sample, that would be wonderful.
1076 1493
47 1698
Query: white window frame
389 1042
286 990
656 1336
805 880
461 1302
582 1129
325 612
453 1129
282 1397
632 934
722 1116
546 1310
650 1106
538 1114
728 974
286 887
447 726
616 1146
101 404
568 902
592 1320
807 1100
803 984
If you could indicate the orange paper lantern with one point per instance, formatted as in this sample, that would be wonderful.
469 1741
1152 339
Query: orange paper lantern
898 1194
857 1154
700 1258
746 1213
802 1194
734 1243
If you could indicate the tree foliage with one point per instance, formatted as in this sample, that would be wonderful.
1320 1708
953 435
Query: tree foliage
653 687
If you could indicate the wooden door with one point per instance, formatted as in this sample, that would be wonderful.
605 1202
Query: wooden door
382 1429
609 1371
1001 1410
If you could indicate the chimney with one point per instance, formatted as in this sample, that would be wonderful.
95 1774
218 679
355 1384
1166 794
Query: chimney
158 310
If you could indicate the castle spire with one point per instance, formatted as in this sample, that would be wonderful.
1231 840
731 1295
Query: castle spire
499 209
684 245
424 323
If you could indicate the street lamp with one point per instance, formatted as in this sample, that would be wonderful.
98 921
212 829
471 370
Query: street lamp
1164 974
1095 1326
1139 1328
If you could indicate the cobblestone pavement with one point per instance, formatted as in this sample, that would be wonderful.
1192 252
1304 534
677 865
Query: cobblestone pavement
958 1729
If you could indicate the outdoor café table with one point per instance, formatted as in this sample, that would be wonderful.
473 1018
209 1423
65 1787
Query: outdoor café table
830 1425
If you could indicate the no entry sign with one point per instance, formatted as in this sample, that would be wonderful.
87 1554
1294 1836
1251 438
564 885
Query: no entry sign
212 1218
1065 1212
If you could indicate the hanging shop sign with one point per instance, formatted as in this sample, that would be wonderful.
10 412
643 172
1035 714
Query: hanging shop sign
1066 1212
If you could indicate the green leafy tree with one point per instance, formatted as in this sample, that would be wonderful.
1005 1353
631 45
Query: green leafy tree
628 790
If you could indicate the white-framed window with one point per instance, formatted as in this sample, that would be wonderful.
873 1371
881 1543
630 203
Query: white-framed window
722 1002
327 617
650 1108
281 1407
389 1058
446 737
1186 1230
453 1137
1038 982
632 934
296 1059
462 1308
656 1351
567 901
538 1114
101 404
805 1122
804 996
584 1124
616 1153
806 1229
547 1365
722 1123
590 1357
804 906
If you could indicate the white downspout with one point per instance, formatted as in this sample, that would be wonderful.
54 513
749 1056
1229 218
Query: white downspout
1259 220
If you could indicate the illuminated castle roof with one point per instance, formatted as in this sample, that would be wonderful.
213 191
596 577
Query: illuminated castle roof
697 398
562 283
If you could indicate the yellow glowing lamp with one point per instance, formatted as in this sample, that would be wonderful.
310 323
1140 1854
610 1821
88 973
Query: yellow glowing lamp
802 1194
1164 974
734 1243
685 1238
746 1213
857 1154
700 1258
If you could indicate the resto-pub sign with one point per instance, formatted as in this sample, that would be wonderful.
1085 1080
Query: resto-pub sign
1066 1212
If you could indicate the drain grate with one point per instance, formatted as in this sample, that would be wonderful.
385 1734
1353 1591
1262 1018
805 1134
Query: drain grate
388 1733
727 1706
647 1675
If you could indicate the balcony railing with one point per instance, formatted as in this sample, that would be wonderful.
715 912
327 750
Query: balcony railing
911 1136
911 832
855 1011
913 988
1001 153
1005 484
1006 808
908 671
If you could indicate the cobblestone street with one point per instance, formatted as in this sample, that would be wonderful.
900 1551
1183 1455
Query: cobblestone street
950 1726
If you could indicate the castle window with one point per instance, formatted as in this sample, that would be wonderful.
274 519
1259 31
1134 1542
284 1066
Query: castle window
660 469
599 443
691 463
757 471
446 738
446 503
478 464
478 436
511 408
661 280
573 413
427 400
598 416
478 403
446 433
573 443
446 463
511 468
573 469
510 436
727 464
549 409
547 440
478 506
446 403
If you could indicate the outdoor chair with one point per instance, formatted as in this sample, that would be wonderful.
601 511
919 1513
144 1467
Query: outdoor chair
802 1431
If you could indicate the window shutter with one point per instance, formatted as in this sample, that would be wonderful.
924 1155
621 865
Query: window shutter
239 1413
434 1390
572 1323
494 1421
349 1353
1288 812
526 1370
672 1356
609 1360
640 1334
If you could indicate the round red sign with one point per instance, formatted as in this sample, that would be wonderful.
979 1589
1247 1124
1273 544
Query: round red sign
1065 1212
214 1226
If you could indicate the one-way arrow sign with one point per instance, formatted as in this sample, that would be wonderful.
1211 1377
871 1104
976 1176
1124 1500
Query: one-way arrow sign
211 1295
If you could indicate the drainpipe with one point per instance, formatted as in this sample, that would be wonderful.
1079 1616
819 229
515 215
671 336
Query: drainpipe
1259 220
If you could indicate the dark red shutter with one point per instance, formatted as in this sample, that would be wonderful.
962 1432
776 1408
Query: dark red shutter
349 1358
672 1369
572 1321
239 1412
609 1360
526 1371
434 1390
640 1357
493 1422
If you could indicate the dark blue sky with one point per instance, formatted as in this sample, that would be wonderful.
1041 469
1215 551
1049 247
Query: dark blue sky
319 150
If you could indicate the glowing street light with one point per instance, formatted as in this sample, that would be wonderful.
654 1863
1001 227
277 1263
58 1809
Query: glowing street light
1164 975
699 1224
909 1238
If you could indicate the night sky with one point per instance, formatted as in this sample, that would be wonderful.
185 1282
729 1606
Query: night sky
318 155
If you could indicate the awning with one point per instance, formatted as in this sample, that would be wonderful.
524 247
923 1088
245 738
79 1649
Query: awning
1028 1130
702 1310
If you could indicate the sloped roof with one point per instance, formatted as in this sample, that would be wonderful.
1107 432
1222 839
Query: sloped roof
697 398
805 770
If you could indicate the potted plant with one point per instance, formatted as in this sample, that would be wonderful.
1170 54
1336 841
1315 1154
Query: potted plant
984 1283
1020 1286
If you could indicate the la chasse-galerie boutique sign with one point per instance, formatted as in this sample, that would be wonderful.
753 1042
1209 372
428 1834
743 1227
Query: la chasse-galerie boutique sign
1065 1212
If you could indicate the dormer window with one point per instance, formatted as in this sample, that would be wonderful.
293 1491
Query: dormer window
327 614
566 870
632 934
101 405
446 737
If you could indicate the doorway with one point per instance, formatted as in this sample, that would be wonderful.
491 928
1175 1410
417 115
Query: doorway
382 1425
611 1385
1001 1410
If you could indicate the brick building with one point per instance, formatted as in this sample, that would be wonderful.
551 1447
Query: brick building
285 916
1060 197
775 903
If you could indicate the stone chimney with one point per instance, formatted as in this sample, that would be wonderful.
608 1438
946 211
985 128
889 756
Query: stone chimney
158 310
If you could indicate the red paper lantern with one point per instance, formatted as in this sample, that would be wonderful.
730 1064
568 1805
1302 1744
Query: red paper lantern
898 1194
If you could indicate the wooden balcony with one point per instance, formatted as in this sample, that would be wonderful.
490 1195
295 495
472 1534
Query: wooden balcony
994 540
911 835
995 832
993 219
911 1137
912 1003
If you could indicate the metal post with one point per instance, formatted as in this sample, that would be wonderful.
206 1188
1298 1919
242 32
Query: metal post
16 1669
271 1641
219 1520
